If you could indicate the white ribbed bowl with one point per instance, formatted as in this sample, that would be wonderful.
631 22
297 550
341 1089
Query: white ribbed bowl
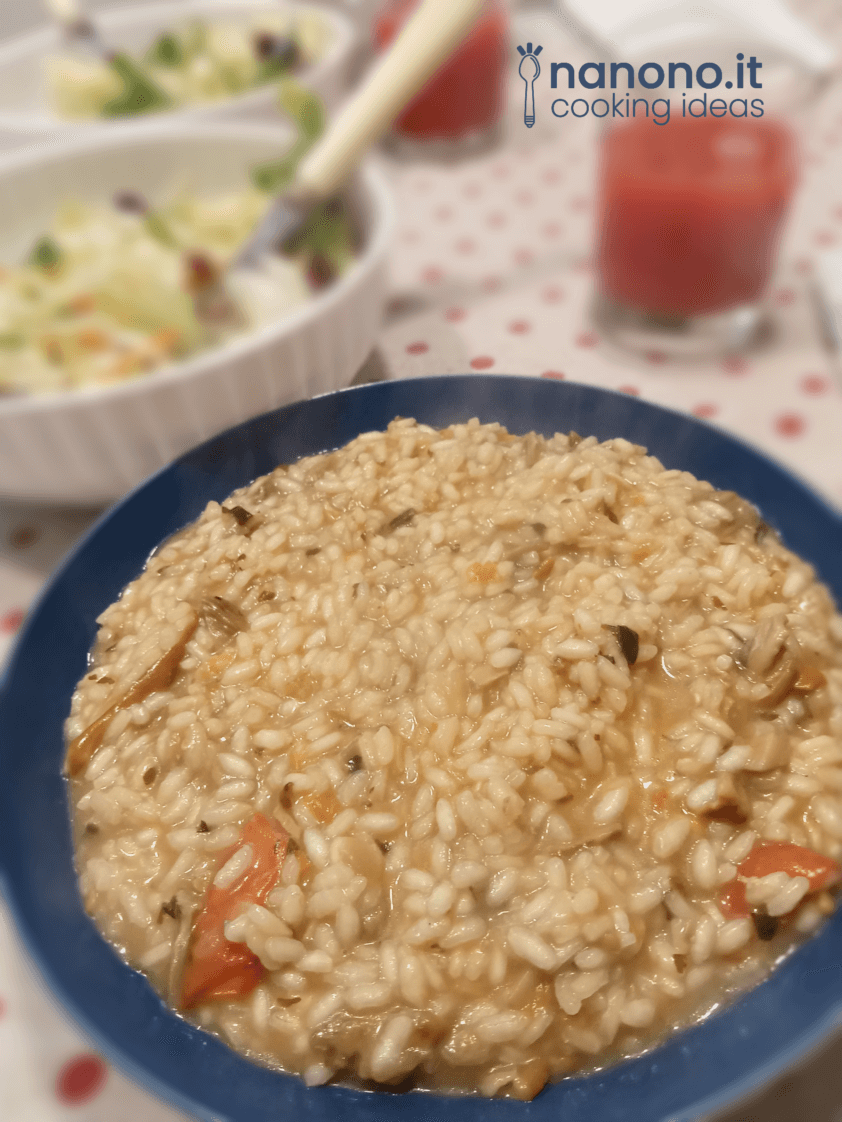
26 115
91 446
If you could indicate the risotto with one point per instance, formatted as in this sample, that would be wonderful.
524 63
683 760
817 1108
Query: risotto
461 760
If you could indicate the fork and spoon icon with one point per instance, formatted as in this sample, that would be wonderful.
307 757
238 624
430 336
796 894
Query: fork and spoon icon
529 70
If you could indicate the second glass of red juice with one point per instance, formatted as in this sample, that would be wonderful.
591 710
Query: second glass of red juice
459 110
689 218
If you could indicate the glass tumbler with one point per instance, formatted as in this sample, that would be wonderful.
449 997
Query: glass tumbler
689 219
459 111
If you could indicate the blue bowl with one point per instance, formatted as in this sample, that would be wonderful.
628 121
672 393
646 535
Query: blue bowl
694 1072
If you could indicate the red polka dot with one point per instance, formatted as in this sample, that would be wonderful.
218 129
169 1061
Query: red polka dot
520 327
23 536
551 175
587 339
632 391
410 236
790 425
443 213
705 409
501 171
472 190
11 621
815 384
454 314
804 266
579 202
784 297
465 245
824 237
552 230
735 365
557 374
482 362
2 1008
657 358
525 198
432 275
80 1080
552 295
491 284
496 220
523 256
417 348
583 265
398 306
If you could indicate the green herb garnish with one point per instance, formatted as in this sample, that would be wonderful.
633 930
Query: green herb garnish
167 50
140 94
304 107
325 240
46 255
274 176
158 228
307 112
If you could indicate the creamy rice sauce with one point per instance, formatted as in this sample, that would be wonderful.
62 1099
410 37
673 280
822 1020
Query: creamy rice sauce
533 726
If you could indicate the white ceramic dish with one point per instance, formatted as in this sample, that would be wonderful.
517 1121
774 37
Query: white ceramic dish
27 116
93 445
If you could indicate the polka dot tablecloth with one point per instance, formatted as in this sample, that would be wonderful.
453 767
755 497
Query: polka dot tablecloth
491 272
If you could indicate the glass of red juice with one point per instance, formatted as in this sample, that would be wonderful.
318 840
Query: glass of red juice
689 218
460 109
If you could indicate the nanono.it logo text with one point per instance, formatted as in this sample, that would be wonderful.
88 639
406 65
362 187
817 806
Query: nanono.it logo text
623 80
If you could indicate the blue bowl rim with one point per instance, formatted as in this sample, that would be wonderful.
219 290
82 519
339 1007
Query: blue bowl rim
728 1094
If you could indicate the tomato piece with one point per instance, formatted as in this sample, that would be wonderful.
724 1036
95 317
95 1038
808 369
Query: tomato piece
795 860
732 900
217 969
777 857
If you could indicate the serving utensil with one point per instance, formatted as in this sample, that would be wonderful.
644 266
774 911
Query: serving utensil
430 35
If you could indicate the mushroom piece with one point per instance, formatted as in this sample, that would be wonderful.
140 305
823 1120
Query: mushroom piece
590 835
772 658
743 513
178 957
221 618
731 805
403 519
779 682
533 447
158 677
627 640
484 675
766 645
770 745
362 855
244 520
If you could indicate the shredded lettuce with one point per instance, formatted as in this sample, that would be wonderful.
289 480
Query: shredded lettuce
198 61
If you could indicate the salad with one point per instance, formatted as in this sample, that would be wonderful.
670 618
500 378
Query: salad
112 292
200 61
